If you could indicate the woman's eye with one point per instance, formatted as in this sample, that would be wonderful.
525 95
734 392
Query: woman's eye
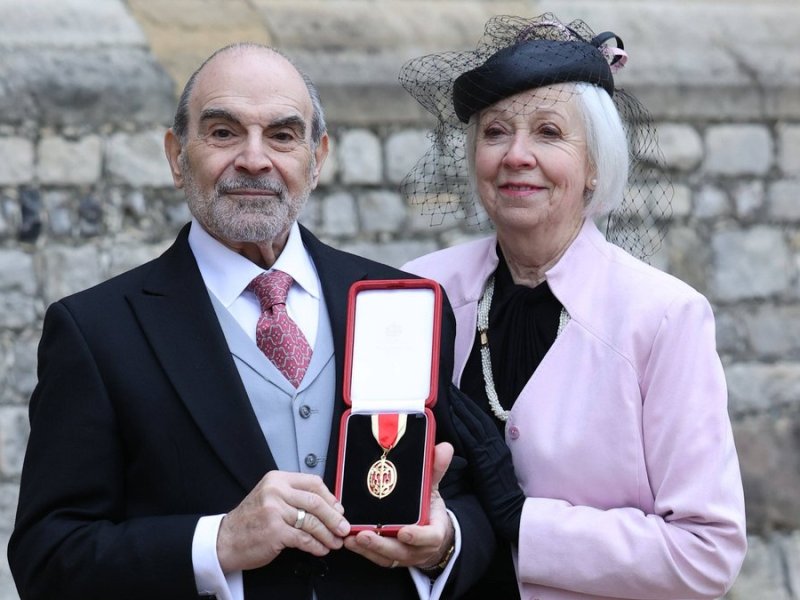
550 131
493 132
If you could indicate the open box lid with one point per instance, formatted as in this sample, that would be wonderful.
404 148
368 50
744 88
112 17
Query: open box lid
392 345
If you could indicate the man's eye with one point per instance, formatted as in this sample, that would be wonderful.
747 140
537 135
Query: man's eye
221 134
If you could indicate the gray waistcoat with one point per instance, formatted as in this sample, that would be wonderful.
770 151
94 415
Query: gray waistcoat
296 422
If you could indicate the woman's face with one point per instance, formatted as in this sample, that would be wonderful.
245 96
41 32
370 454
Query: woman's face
531 163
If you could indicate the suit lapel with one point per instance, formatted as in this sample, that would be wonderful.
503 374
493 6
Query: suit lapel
177 317
337 271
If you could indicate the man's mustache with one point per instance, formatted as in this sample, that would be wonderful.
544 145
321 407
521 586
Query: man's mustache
251 183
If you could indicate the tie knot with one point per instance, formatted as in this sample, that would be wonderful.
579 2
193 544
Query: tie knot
271 288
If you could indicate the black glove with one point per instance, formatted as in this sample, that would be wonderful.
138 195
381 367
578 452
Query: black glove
490 463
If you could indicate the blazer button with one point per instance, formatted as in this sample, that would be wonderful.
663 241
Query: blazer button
305 411
311 460
513 432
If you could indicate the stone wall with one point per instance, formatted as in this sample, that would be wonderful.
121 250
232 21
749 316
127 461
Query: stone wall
87 88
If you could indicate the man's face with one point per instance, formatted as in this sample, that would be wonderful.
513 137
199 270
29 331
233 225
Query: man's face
248 166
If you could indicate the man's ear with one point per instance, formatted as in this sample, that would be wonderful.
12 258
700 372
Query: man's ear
320 154
173 149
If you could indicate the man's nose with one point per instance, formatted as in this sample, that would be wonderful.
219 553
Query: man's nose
254 155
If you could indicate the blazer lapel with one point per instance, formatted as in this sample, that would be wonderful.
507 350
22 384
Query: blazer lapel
177 317
337 271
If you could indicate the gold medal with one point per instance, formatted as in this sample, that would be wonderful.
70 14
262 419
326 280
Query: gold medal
387 429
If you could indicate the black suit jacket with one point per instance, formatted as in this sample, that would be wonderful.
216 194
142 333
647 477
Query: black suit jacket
140 425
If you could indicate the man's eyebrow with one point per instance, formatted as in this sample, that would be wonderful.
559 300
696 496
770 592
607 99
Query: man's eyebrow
218 113
292 121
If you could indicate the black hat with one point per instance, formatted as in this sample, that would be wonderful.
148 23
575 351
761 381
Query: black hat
531 64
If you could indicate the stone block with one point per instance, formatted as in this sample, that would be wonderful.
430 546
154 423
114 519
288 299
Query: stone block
711 202
13 439
761 387
66 270
753 263
774 331
127 254
138 159
70 87
19 370
736 150
403 150
381 212
748 198
360 158
16 167
761 575
8 590
67 162
769 457
339 215
681 201
183 33
67 23
783 200
789 149
9 496
681 145
17 289
791 551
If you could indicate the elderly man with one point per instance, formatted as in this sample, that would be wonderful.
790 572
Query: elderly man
174 451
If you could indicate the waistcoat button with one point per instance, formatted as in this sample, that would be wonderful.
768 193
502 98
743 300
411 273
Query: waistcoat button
311 460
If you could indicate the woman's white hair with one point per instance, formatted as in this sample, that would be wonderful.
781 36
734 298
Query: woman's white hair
606 147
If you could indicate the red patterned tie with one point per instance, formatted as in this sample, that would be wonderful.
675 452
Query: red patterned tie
278 337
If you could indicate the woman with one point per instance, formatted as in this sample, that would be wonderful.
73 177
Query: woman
601 370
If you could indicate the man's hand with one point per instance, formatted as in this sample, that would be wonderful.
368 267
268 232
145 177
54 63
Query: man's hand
255 532
415 545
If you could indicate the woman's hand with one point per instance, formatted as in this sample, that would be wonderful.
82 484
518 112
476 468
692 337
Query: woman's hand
490 461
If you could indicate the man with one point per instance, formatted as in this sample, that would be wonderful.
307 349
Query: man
168 457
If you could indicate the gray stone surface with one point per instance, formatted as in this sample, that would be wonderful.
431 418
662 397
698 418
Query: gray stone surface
138 159
403 150
16 166
681 144
67 23
738 150
784 200
761 575
70 162
66 270
789 149
760 388
13 437
17 284
74 87
750 264
339 215
774 332
711 202
381 211
770 472
360 157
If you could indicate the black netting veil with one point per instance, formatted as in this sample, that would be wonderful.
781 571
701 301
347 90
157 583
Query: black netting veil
516 54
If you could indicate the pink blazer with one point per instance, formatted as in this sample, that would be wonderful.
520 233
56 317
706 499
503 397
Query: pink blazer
621 439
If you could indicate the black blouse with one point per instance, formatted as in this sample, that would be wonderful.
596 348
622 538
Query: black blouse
523 324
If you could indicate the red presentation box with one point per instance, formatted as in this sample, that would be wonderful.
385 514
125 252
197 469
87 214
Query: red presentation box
391 373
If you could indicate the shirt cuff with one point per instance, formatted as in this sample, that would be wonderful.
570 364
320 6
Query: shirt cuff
208 575
432 590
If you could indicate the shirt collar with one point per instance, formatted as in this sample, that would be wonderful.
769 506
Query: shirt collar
227 273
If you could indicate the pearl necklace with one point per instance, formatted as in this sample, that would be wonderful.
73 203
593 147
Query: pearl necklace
484 304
